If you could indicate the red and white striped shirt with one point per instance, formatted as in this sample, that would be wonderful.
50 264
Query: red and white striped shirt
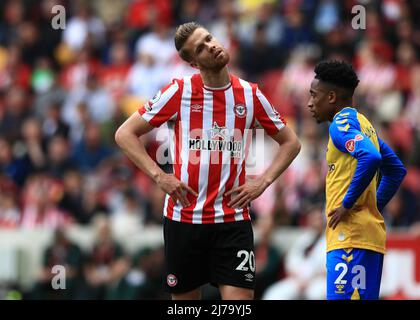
210 132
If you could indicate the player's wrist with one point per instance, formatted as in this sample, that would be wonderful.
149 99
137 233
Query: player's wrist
157 176
346 205
265 182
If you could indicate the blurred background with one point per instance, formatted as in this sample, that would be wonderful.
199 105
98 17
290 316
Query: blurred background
69 197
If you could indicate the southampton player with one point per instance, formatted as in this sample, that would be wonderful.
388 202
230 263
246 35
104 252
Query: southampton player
207 229
355 227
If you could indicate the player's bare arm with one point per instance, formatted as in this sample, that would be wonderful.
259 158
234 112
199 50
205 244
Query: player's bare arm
128 138
253 188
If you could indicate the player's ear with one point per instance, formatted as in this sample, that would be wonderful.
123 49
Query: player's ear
332 97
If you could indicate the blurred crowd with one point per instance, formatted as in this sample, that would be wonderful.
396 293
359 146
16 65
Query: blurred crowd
63 93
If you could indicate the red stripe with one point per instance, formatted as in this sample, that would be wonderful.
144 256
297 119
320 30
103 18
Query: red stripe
170 209
261 115
143 110
196 127
177 151
170 108
245 213
242 176
216 158
248 139
166 112
178 137
240 123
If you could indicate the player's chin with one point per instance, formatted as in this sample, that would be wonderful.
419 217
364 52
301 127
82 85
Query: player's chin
223 60
318 119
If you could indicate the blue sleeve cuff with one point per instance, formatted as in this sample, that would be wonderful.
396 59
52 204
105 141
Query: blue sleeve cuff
347 204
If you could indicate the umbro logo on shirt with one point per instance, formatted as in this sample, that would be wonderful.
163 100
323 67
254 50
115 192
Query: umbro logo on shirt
249 277
196 108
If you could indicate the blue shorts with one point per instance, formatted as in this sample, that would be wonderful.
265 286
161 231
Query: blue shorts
353 274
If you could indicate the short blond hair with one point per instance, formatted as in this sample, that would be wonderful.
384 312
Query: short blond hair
182 33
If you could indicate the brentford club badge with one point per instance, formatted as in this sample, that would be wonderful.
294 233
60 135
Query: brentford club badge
240 110
171 280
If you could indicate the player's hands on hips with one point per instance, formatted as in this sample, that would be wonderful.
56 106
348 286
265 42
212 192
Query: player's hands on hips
340 214
247 192
175 188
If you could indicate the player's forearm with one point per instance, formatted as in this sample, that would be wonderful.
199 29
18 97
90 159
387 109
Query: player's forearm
282 160
388 187
135 150
393 173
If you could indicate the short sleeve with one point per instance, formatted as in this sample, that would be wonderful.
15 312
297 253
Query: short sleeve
164 106
265 114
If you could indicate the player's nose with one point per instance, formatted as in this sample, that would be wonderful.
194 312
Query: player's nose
310 104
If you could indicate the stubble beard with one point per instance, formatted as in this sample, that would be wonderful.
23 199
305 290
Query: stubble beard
219 64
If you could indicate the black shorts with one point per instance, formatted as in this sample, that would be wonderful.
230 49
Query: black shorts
220 253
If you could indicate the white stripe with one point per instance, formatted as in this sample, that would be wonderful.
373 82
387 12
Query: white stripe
249 102
269 110
163 100
171 136
165 205
185 124
204 157
225 170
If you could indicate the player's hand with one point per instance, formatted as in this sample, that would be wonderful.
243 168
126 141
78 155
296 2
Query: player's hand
175 188
340 214
249 191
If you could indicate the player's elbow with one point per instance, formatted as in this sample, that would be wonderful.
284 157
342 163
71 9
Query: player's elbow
120 135
296 147
292 146
403 171
375 159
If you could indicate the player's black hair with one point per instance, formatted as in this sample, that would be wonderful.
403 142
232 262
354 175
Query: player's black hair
339 74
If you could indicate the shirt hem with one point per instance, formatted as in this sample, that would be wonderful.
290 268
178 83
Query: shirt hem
357 246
